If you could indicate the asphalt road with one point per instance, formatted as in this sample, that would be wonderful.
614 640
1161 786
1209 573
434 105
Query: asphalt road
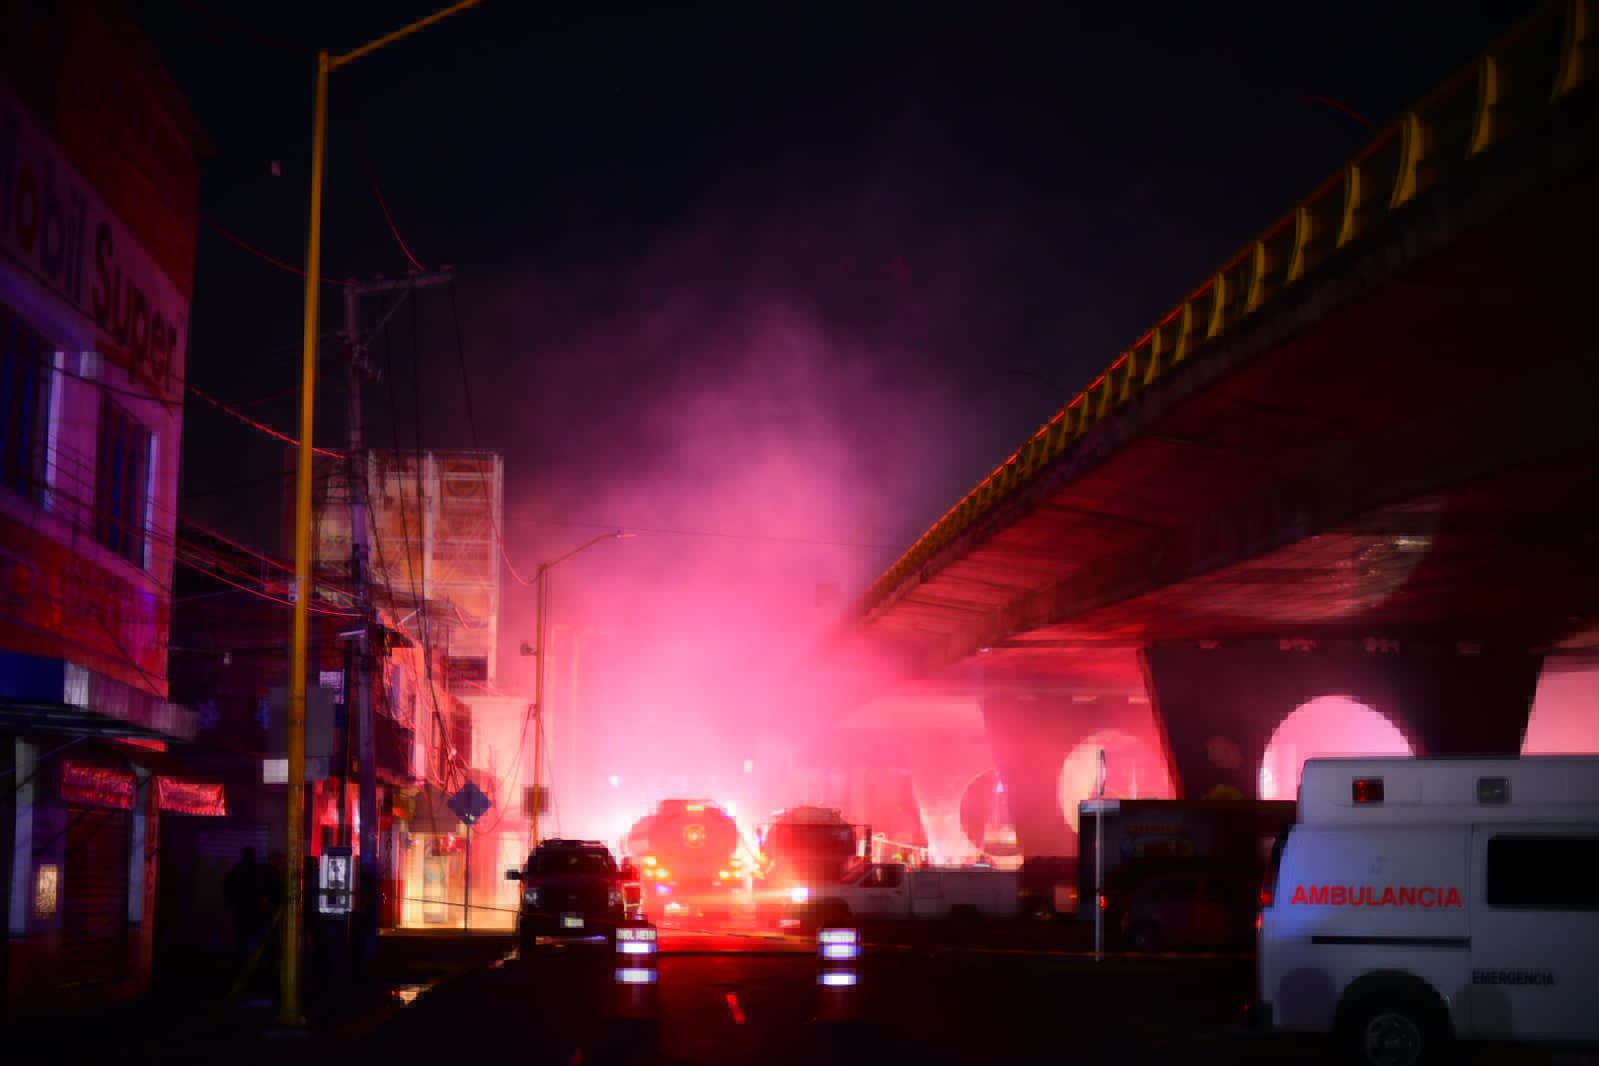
728 998
741 998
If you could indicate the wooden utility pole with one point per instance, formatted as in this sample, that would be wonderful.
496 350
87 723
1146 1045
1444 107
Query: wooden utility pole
358 708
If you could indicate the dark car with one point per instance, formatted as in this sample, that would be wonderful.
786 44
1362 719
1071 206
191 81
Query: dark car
1183 906
571 890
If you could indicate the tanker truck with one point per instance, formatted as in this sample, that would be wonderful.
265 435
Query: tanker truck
687 854
801 849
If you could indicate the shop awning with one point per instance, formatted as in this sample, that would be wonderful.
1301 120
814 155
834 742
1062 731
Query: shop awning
101 772
55 695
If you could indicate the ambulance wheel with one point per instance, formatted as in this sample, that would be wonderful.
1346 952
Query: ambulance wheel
1398 1028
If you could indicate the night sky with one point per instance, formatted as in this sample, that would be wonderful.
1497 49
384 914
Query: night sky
770 282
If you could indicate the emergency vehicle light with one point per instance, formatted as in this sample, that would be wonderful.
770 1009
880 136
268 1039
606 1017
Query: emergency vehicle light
1367 790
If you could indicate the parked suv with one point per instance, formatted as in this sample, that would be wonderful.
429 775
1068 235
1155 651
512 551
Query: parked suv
571 890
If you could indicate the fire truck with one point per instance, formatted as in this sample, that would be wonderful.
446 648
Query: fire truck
687 853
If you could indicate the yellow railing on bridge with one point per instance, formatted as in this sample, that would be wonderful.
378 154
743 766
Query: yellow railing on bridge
1529 70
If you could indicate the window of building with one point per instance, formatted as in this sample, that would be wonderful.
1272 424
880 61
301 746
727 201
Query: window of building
122 481
1543 872
26 368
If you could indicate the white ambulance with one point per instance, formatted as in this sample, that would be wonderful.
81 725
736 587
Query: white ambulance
1419 901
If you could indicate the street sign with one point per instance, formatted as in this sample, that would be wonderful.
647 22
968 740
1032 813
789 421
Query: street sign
335 881
469 803
535 799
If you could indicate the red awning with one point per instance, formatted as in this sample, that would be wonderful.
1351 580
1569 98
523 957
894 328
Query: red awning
178 796
99 773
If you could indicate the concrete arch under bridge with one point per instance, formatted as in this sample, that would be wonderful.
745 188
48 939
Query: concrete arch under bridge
1220 702
1199 716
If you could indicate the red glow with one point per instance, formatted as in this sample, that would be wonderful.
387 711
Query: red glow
1330 725
1134 769
95 786
1565 714
191 797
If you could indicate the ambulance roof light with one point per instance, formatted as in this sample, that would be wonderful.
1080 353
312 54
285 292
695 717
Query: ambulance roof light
1493 790
1367 791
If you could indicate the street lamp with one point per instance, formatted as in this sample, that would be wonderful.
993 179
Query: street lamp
541 626
289 1014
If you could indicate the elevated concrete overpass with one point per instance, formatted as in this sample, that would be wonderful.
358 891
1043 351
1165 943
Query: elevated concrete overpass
1362 457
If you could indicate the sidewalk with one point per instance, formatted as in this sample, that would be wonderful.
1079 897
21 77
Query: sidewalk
197 1015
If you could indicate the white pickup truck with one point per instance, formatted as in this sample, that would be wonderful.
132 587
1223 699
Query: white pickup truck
889 890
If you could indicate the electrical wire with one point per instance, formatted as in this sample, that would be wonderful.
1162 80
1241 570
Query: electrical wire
424 614
471 422
1327 101
405 527
264 256
389 218
263 427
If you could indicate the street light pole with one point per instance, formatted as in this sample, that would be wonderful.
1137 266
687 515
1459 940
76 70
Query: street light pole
289 1012
541 587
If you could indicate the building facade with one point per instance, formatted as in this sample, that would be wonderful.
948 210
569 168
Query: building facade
98 206
433 530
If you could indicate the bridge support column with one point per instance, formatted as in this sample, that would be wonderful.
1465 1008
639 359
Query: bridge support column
1031 737
1220 702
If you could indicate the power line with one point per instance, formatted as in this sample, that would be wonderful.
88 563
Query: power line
264 256
389 218
471 421
262 426
416 388
405 528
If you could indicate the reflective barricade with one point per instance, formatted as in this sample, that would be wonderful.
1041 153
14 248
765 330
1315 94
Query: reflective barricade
838 978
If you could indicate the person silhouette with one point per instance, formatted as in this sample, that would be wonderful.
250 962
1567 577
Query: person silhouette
248 891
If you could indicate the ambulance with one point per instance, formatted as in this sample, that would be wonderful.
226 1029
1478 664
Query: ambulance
1415 902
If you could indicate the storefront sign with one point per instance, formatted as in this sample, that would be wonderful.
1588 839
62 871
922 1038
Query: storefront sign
191 797
65 605
56 227
95 786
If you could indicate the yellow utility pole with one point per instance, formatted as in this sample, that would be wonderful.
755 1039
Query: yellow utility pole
289 1007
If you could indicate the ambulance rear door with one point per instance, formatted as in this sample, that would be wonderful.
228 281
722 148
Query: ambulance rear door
1535 932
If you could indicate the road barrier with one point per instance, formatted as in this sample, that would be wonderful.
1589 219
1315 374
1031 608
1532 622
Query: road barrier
838 978
636 972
